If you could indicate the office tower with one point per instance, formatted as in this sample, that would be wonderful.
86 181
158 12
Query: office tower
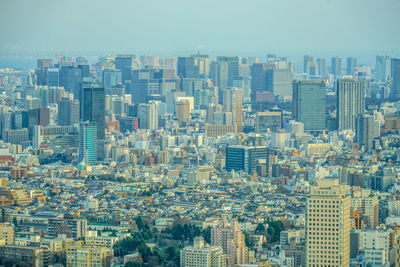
328 225
68 112
321 62
148 116
125 63
195 66
118 105
182 111
88 143
244 158
233 102
280 82
383 68
351 66
149 61
37 136
350 102
233 68
228 236
111 78
366 130
367 205
219 75
395 89
336 66
93 110
53 77
307 60
258 79
41 70
200 255
170 63
39 116
309 104
70 79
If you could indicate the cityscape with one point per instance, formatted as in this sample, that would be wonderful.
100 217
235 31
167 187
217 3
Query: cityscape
116 153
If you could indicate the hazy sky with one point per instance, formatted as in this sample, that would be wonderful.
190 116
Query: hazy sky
162 26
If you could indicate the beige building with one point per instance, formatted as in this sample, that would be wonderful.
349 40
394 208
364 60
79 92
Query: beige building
233 102
367 205
200 255
81 255
328 225
182 111
231 239
7 233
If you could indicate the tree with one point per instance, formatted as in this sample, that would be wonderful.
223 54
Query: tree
133 264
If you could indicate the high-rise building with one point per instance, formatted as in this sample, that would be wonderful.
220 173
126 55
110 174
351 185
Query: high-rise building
350 96
88 143
279 81
366 130
231 239
351 66
244 158
200 255
182 111
309 104
126 64
93 110
233 68
383 68
328 225
68 112
367 205
195 66
53 77
258 79
70 79
336 66
219 76
307 60
233 102
395 89
148 115
321 67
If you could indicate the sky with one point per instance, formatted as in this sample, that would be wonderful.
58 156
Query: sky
176 27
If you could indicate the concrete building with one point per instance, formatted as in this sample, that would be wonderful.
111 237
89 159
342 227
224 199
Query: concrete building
200 255
350 102
80 255
328 225
182 111
309 104
231 239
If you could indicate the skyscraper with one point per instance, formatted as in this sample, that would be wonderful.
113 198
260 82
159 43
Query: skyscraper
219 75
233 68
68 112
395 89
383 68
233 102
195 66
125 63
88 143
279 81
307 60
258 79
336 66
351 66
350 102
365 130
182 111
309 104
328 225
321 67
148 116
93 110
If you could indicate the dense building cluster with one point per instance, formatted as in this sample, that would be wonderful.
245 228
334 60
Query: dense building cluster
200 161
